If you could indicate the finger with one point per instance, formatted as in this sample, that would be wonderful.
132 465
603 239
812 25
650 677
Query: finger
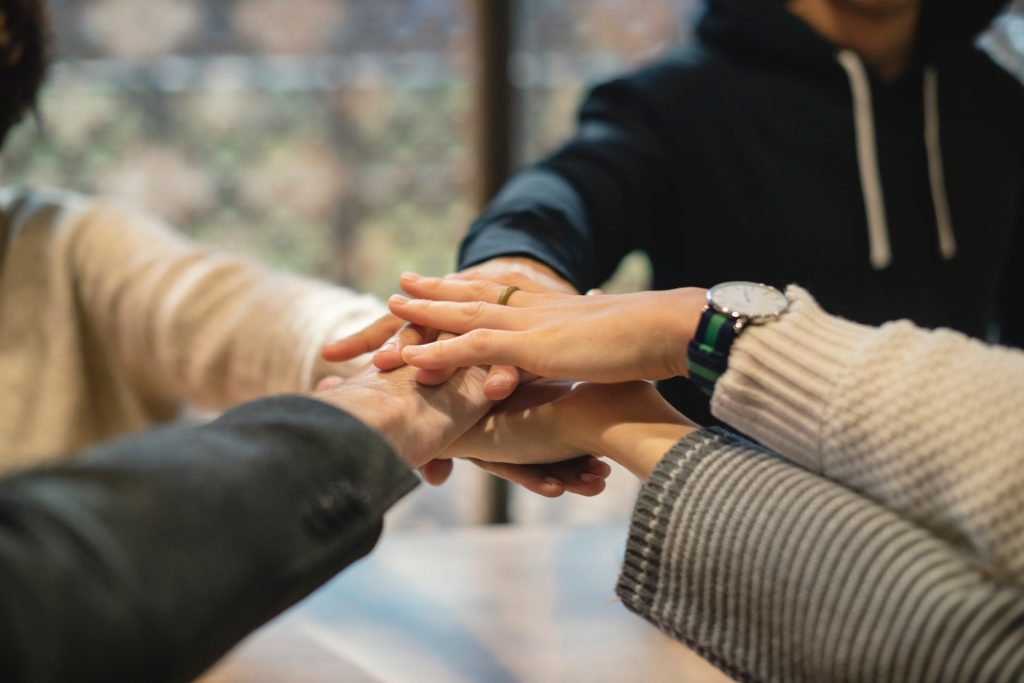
389 356
365 340
435 377
463 289
596 291
501 381
530 477
479 347
594 467
458 317
584 476
436 472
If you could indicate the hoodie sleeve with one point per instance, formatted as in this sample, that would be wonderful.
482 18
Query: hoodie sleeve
582 210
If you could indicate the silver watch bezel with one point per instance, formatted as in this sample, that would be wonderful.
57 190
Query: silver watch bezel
744 318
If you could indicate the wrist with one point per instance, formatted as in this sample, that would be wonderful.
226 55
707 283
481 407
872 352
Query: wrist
639 447
682 316
383 416
629 423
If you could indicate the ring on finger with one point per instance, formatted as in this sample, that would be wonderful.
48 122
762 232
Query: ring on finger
507 294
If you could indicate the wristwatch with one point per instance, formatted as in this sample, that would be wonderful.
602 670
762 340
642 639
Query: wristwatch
731 306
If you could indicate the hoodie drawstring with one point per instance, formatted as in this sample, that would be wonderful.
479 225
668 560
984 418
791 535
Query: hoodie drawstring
936 177
867 161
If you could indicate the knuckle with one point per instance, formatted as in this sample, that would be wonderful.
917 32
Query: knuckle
478 341
517 277
440 349
479 288
471 310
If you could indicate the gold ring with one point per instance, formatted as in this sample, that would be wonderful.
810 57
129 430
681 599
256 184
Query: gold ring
509 291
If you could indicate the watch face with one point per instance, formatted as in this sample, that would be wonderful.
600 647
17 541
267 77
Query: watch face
748 300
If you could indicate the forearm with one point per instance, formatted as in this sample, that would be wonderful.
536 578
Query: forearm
925 422
640 446
774 573
171 546
208 328
628 423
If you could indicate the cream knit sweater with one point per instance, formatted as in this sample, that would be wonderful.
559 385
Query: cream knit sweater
928 423
109 321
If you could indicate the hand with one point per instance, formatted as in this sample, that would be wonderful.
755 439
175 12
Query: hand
584 476
387 336
418 421
550 421
390 335
601 338
414 420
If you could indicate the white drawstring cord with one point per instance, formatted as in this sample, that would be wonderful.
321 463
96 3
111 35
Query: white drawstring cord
936 177
867 160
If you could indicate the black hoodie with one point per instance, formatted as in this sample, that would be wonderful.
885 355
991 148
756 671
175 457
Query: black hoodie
764 152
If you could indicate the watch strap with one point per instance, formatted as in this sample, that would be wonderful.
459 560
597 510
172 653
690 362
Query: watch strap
707 355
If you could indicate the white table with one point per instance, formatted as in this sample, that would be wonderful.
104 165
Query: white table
491 604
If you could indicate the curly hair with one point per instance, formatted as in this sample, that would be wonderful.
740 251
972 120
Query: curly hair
24 56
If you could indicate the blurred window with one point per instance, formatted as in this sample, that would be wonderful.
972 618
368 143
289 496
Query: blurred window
323 136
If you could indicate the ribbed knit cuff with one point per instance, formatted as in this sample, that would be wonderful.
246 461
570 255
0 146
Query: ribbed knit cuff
783 375
778 575
652 556
651 515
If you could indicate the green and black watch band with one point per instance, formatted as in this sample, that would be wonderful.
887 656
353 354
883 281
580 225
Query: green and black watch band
730 308
708 354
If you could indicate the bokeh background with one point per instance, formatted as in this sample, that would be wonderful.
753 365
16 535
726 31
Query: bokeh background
328 137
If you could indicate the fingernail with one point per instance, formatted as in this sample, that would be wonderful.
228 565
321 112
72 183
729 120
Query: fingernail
593 463
409 275
551 481
398 299
588 478
411 351
499 385
389 346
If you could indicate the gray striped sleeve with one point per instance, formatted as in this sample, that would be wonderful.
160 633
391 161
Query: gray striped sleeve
776 574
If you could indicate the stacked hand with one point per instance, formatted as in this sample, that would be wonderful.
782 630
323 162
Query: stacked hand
391 334
422 422
546 422
602 338
541 330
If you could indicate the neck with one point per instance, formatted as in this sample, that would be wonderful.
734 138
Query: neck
882 36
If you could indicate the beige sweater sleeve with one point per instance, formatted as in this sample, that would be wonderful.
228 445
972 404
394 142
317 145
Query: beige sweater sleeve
929 423
210 328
